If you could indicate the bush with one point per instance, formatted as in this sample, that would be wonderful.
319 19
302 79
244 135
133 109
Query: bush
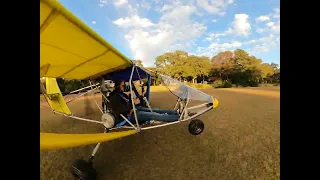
227 84
218 83
198 86
206 86
253 83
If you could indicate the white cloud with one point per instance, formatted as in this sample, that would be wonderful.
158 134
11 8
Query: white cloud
258 49
131 10
260 30
133 21
277 13
146 5
275 28
241 25
93 22
214 48
264 44
179 14
216 7
156 1
250 42
102 3
175 30
214 35
171 5
263 18
277 16
229 31
260 45
270 24
166 7
119 3
271 27
214 20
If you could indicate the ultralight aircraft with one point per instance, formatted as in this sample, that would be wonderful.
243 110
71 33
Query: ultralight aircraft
69 49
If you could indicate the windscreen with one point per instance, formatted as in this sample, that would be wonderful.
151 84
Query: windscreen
184 91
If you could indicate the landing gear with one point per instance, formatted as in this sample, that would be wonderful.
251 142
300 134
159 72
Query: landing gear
196 127
83 170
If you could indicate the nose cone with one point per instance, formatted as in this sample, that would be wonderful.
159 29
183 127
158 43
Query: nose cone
215 103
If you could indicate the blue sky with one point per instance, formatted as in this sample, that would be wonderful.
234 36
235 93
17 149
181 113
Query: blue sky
145 29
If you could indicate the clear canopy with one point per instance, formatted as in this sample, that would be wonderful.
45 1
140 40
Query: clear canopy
184 91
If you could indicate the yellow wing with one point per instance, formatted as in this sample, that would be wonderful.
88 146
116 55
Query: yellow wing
70 49
50 141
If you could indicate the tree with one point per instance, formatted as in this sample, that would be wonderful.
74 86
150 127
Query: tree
173 64
138 62
222 64
163 64
275 66
180 65
246 69
198 66
238 67
266 72
61 84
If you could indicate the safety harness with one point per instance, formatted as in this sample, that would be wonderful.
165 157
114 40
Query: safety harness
130 113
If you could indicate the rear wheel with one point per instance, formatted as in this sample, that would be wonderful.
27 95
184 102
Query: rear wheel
196 127
82 170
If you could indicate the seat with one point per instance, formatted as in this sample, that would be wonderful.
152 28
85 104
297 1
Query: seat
109 117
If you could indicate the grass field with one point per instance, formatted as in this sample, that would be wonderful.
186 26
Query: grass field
241 141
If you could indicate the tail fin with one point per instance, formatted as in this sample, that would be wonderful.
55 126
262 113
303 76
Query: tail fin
56 101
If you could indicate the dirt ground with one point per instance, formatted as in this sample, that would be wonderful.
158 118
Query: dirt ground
241 141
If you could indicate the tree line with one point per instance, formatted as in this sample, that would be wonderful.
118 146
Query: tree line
224 69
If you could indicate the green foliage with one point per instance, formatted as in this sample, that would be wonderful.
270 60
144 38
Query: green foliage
138 62
222 84
199 86
227 84
181 65
253 83
61 84
71 85
155 81
243 69
218 83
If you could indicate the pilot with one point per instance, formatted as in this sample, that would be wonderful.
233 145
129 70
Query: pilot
120 103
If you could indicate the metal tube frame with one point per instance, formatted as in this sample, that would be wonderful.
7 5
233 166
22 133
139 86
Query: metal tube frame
132 101
95 100
132 126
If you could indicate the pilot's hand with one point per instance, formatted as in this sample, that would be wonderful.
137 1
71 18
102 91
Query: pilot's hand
137 101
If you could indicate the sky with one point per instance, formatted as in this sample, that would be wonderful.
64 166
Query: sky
145 29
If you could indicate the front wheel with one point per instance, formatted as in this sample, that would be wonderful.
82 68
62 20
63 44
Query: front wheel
82 170
196 127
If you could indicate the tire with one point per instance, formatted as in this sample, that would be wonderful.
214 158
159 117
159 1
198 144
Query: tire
82 170
196 127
